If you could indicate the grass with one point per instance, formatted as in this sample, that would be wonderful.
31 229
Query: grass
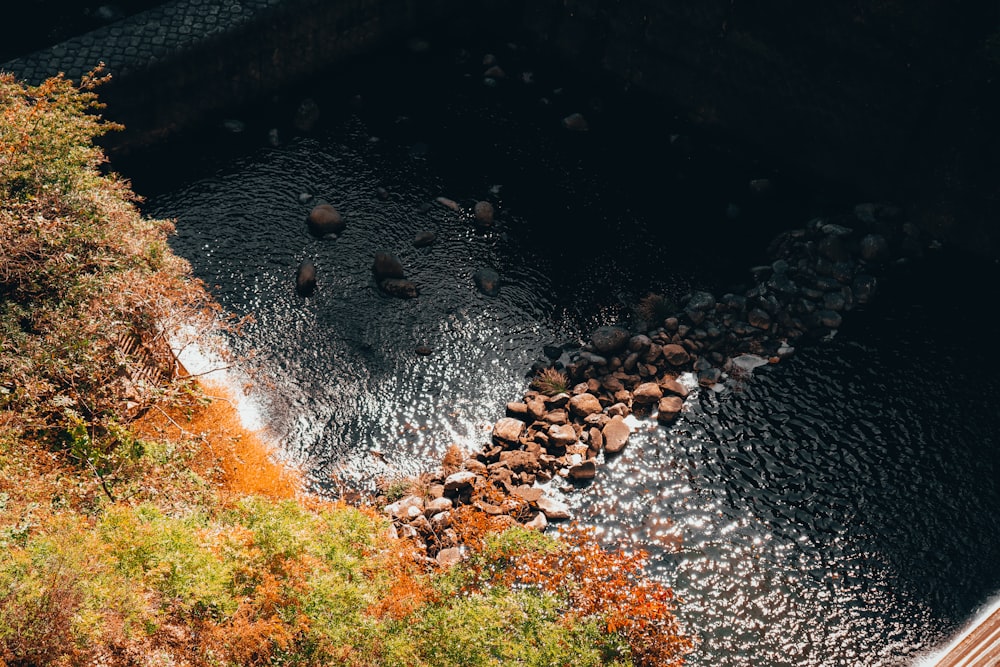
142 524
550 381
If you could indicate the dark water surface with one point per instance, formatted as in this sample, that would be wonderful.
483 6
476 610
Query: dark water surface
839 508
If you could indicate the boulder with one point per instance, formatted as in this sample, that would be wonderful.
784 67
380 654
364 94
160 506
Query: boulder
487 281
305 279
460 481
519 461
553 509
576 122
583 470
562 434
406 508
647 393
668 409
615 434
423 239
450 556
325 219
508 429
529 494
483 214
538 523
671 386
609 339
584 404
437 506
387 265
675 354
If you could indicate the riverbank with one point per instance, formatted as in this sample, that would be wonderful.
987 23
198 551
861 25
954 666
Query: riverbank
142 524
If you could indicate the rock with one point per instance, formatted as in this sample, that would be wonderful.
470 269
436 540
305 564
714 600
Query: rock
423 350
405 508
584 404
646 393
483 213
538 523
830 319
639 343
398 287
609 339
450 204
305 279
517 410
709 377
437 506
562 434
759 318
668 409
487 281
325 219
450 556
387 265
674 387
519 461
557 401
583 470
306 115
701 301
553 509
460 480
423 239
576 122
675 354
474 465
529 494
596 439
615 434
508 429
874 248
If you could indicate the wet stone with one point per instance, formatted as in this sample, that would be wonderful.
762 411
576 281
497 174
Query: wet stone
615 434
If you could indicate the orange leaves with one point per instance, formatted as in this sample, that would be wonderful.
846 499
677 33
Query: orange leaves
609 585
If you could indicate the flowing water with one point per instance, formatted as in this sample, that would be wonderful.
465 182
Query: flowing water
839 508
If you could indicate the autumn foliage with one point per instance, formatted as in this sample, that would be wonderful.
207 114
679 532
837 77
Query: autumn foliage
142 525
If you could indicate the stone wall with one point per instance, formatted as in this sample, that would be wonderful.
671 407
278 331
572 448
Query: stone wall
176 64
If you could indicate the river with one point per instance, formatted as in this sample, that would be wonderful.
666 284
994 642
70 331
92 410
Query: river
837 508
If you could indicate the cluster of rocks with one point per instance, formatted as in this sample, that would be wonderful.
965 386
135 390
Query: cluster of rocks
325 221
575 414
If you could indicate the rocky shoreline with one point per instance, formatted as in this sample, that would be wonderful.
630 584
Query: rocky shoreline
575 413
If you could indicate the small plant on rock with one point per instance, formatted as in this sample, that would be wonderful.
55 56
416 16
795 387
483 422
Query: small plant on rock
550 381
654 308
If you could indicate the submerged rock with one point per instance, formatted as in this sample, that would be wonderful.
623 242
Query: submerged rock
387 265
487 281
483 214
400 288
325 219
305 279
423 239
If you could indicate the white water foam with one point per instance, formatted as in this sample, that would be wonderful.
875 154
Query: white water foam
211 366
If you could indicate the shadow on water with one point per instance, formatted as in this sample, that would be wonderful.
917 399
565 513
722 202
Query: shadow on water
835 509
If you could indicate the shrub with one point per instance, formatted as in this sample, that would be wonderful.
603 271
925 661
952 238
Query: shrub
550 381
89 292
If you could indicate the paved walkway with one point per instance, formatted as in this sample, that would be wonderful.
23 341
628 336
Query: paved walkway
139 41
